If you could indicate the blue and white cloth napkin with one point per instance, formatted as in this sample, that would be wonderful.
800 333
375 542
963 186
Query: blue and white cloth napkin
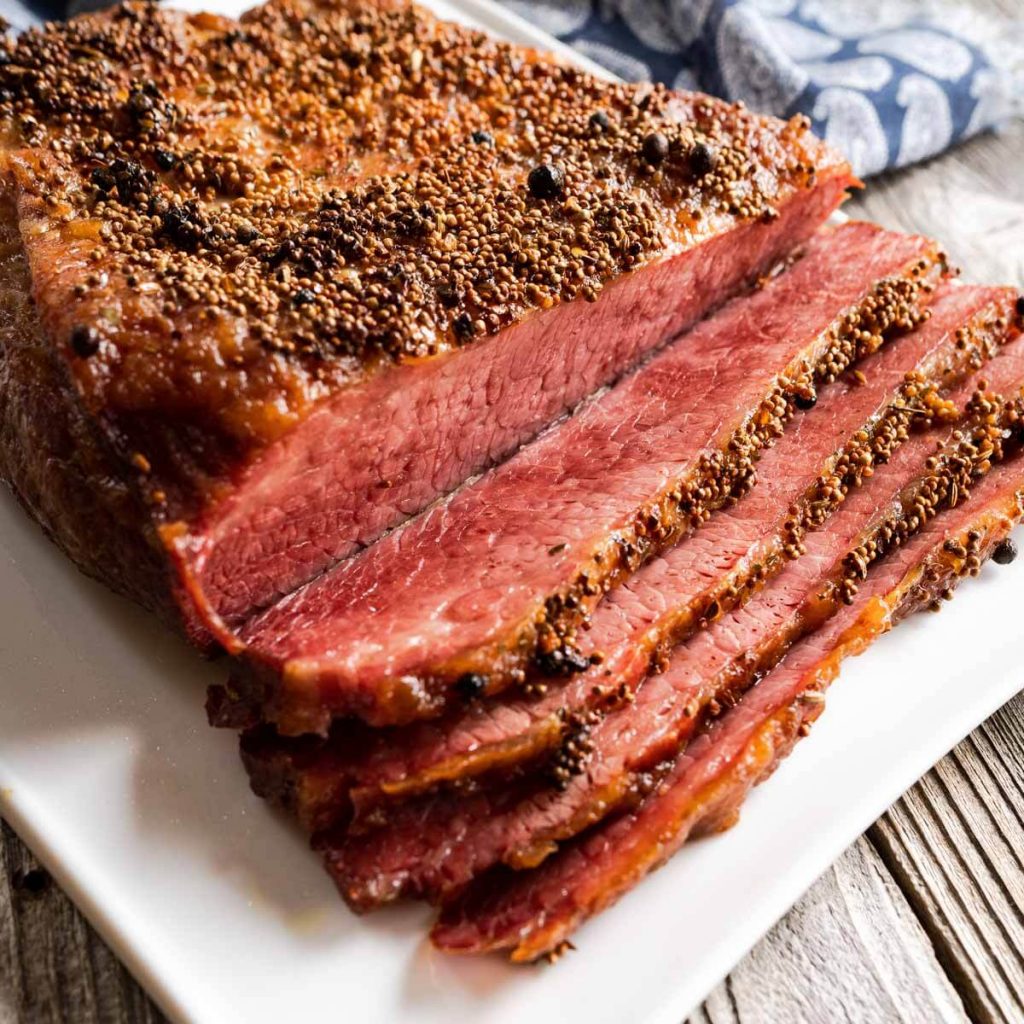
889 82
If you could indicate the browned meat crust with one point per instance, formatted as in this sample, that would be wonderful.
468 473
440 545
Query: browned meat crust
59 466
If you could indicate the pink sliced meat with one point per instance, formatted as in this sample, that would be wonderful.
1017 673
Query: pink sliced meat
658 607
497 578
531 914
435 846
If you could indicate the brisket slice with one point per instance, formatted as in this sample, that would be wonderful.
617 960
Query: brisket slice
532 913
300 290
434 846
464 599
801 481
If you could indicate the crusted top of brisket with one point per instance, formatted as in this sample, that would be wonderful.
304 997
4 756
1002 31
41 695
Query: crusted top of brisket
229 221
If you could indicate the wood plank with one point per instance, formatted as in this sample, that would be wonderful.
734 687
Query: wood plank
955 844
54 969
850 950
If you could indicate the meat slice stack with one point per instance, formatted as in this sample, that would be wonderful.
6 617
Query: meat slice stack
700 790
485 587
803 478
507 775
434 847
525 439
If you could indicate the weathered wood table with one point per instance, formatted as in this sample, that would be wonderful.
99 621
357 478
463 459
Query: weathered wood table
921 920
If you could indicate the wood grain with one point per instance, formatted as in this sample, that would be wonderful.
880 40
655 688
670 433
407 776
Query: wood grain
955 845
935 887
851 949
54 969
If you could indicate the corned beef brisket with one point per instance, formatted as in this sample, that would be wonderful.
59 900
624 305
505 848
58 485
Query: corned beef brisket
434 846
468 598
524 437
856 424
530 914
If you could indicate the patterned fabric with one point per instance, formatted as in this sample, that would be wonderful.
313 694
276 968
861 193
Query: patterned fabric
888 82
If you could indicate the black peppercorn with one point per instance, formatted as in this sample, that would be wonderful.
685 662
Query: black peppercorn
482 138
85 341
655 148
164 159
805 400
246 233
463 327
562 661
282 253
102 179
1005 552
303 297
599 120
184 224
546 181
471 685
131 179
702 160
1020 305
448 295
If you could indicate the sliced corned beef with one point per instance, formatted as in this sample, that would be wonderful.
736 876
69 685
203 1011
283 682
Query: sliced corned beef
532 913
275 311
493 582
801 481
438 844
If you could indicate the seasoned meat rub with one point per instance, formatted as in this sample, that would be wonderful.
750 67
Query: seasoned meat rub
280 283
855 424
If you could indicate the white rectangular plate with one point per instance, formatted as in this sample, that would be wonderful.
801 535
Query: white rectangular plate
142 812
